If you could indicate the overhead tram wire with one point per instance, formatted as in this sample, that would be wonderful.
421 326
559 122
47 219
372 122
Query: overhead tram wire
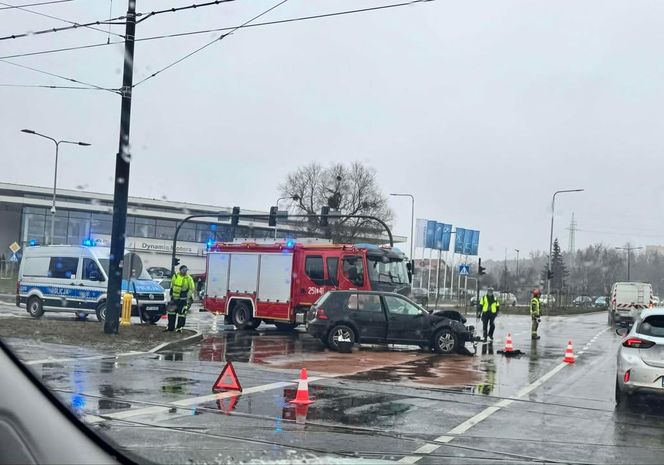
110 22
74 24
47 86
203 47
76 81
228 28
51 2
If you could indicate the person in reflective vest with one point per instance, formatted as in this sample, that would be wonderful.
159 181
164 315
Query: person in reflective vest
535 313
489 305
182 294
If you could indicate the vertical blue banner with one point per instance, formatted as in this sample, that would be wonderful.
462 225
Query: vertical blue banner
475 243
458 240
431 235
447 236
438 240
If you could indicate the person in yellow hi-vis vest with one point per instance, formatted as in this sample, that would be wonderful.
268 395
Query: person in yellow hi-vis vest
535 313
182 293
489 305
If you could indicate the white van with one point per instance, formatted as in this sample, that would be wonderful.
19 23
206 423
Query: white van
628 300
65 278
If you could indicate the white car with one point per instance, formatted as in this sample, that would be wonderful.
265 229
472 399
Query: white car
641 356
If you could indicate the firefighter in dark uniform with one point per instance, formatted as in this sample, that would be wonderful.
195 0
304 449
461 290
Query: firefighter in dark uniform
489 307
535 313
182 294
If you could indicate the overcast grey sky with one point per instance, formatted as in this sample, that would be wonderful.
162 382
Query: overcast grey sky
480 109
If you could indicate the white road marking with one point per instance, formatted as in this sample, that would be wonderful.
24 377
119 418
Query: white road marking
487 412
75 359
93 419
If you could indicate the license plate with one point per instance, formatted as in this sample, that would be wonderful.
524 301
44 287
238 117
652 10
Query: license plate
152 307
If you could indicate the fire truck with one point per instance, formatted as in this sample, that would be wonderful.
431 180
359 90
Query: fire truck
250 283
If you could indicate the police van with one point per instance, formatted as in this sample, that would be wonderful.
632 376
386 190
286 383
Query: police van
65 278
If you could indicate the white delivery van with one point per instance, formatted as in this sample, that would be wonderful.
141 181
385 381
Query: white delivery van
628 300
66 278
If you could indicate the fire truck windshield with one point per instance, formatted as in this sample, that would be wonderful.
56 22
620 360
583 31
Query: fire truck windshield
384 270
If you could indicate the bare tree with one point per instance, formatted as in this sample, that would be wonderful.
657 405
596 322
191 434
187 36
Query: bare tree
348 190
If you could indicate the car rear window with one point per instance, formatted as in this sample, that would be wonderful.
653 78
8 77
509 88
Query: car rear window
652 326
333 300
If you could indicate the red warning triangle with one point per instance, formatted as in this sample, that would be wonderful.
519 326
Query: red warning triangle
227 380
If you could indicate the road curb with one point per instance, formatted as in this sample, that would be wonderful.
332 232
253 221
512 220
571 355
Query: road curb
198 336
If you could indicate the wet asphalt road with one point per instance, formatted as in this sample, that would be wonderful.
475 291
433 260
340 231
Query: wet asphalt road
396 403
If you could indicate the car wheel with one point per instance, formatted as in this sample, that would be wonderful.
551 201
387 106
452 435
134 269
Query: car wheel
339 332
285 326
35 307
255 322
621 397
446 341
150 318
241 316
101 312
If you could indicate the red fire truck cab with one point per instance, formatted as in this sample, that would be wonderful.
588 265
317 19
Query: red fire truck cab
277 283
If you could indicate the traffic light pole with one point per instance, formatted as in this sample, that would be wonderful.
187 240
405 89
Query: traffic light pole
121 193
261 216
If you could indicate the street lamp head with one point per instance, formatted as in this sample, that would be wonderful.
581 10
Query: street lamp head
28 131
84 144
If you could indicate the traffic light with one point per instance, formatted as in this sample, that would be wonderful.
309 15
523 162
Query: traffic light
235 216
549 274
272 220
324 212
176 262
480 269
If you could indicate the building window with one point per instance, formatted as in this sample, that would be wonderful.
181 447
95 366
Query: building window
187 233
145 227
165 229
102 223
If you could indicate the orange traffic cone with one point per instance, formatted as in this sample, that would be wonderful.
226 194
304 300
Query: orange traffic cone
508 343
569 353
302 395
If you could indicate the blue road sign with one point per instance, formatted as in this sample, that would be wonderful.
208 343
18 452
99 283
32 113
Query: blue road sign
464 269
13 258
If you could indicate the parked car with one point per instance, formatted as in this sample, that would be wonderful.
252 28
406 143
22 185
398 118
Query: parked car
582 301
385 317
420 296
505 298
641 356
159 272
547 299
602 302
655 301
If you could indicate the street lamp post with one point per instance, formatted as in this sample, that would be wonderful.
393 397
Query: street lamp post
628 249
412 220
517 266
553 209
293 197
55 176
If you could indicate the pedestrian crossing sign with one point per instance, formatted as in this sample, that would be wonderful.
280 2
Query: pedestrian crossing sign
464 269
13 258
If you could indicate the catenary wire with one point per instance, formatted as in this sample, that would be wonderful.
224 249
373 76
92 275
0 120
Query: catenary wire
205 31
203 47
74 24
12 7
37 70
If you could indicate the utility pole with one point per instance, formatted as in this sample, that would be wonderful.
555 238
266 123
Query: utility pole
628 249
571 249
121 192
517 265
